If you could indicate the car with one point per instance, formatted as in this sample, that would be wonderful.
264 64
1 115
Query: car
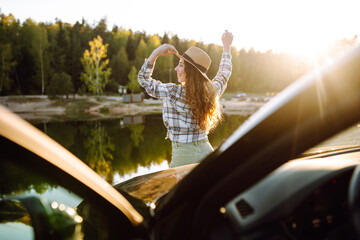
258 99
273 178
241 96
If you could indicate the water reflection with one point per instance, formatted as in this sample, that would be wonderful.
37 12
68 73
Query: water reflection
118 149
100 150
136 133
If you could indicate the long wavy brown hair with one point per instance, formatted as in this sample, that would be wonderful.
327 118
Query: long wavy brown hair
202 98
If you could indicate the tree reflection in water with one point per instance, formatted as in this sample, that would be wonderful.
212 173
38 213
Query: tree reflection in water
107 147
136 133
100 151
111 147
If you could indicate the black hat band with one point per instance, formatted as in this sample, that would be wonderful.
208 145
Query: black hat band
201 68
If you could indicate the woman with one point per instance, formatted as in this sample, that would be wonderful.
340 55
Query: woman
191 109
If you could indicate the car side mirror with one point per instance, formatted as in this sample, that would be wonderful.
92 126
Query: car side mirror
49 221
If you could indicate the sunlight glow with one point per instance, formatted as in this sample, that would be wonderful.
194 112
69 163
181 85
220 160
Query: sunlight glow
329 61
304 28
301 27
321 93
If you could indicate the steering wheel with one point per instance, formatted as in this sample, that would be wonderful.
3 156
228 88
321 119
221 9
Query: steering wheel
354 200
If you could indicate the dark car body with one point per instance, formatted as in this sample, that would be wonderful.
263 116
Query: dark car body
254 186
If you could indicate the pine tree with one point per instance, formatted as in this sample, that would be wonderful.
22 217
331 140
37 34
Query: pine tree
120 67
141 53
131 47
6 64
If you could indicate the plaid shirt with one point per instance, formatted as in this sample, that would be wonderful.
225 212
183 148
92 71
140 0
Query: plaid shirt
177 115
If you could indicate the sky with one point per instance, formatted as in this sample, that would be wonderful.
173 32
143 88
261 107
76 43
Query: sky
304 27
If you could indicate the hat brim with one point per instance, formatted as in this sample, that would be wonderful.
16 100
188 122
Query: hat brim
204 74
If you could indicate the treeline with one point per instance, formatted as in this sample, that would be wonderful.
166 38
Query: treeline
44 58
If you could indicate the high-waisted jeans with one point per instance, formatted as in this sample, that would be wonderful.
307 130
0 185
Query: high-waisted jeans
188 153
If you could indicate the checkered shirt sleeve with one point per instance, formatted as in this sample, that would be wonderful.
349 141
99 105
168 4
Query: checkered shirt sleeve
153 87
223 74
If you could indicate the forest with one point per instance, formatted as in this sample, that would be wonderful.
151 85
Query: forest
58 58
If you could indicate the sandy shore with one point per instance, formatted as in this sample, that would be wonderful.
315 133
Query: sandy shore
41 108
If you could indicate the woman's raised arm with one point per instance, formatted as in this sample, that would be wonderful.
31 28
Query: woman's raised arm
163 50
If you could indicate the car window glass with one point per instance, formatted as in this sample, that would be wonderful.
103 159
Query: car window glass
19 182
15 221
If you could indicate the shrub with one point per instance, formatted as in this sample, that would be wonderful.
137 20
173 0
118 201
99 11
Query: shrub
60 84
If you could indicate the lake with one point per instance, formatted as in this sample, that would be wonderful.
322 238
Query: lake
119 149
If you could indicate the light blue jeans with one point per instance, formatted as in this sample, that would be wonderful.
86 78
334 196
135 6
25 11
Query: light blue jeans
188 153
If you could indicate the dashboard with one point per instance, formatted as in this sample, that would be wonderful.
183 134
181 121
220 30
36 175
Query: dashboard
322 211
303 199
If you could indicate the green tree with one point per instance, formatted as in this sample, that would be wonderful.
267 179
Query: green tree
6 65
76 52
26 64
120 67
52 31
60 84
39 47
10 32
119 40
164 64
95 65
131 47
215 53
235 78
164 70
175 41
62 48
140 54
101 30
133 84
181 45
112 86
165 38
152 43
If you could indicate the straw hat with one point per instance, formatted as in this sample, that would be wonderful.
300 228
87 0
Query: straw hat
198 58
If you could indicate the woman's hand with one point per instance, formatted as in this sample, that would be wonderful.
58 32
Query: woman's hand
163 50
166 49
227 39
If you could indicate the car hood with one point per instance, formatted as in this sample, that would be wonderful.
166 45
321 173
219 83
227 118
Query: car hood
150 187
